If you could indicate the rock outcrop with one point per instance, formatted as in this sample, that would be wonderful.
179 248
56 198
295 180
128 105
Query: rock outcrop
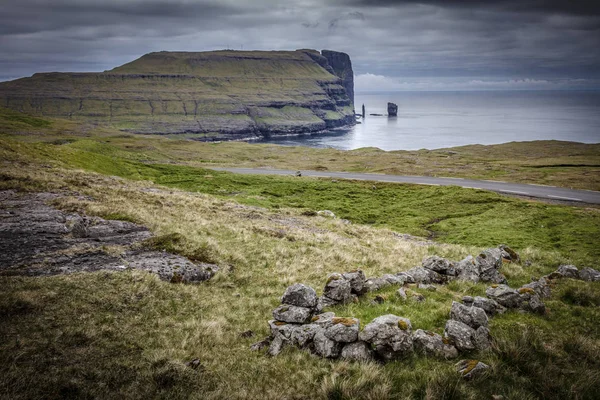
215 95
39 240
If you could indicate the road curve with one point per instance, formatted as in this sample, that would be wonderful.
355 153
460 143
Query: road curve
518 189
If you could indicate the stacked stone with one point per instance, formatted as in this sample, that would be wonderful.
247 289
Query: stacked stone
342 289
467 328
326 335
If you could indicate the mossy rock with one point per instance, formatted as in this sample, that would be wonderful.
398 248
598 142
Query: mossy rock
344 321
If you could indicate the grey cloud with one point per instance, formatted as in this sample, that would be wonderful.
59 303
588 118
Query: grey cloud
581 7
430 39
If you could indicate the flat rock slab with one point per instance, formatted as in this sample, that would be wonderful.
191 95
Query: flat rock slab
37 239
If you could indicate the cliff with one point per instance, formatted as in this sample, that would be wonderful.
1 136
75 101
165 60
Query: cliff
209 95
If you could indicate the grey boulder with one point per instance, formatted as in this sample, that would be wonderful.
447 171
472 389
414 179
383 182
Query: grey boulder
374 284
568 271
489 262
540 287
439 265
482 338
390 334
472 316
467 270
424 275
504 295
344 330
430 343
589 274
303 335
300 295
491 307
337 288
460 335
357 351
357 281
292 314
325 347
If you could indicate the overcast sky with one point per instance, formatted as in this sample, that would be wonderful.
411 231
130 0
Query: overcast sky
394 45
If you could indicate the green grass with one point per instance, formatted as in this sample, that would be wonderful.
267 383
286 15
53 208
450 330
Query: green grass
447 214
13 120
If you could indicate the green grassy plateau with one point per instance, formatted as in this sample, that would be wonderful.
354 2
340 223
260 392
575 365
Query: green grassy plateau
129 335
209 94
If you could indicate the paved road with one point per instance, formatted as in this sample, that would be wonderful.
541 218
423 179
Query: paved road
519 189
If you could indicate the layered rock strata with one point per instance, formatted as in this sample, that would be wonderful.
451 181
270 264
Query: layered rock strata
207 95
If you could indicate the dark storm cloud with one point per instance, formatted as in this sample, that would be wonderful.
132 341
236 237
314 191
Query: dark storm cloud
582 7
404 44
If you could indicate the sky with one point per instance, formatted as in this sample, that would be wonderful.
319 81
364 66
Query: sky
394 45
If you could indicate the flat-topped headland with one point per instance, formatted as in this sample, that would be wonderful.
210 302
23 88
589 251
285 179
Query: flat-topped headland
217 95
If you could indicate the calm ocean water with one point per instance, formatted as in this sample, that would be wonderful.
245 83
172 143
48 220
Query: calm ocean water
445 119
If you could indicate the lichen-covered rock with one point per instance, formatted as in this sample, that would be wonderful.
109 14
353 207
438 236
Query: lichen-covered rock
469 369
509 254
357 351
324 320
303 335
540 287
468 300
357 281
482 338
439 265
472 316
292 314
300 295
504 295
467 270
424 275
325 347
589 274
568 271
374 284
337 288
430 343
390 334
460 335
344 330
489 262
281 329
491 307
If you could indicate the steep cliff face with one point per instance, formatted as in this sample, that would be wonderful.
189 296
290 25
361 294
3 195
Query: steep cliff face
210 95
342 67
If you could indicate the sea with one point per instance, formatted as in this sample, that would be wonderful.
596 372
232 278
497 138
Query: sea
432 120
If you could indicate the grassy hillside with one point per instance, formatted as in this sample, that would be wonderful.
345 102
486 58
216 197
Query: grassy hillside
224 94
129 335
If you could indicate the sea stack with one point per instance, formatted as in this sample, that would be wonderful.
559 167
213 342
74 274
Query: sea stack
392 110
